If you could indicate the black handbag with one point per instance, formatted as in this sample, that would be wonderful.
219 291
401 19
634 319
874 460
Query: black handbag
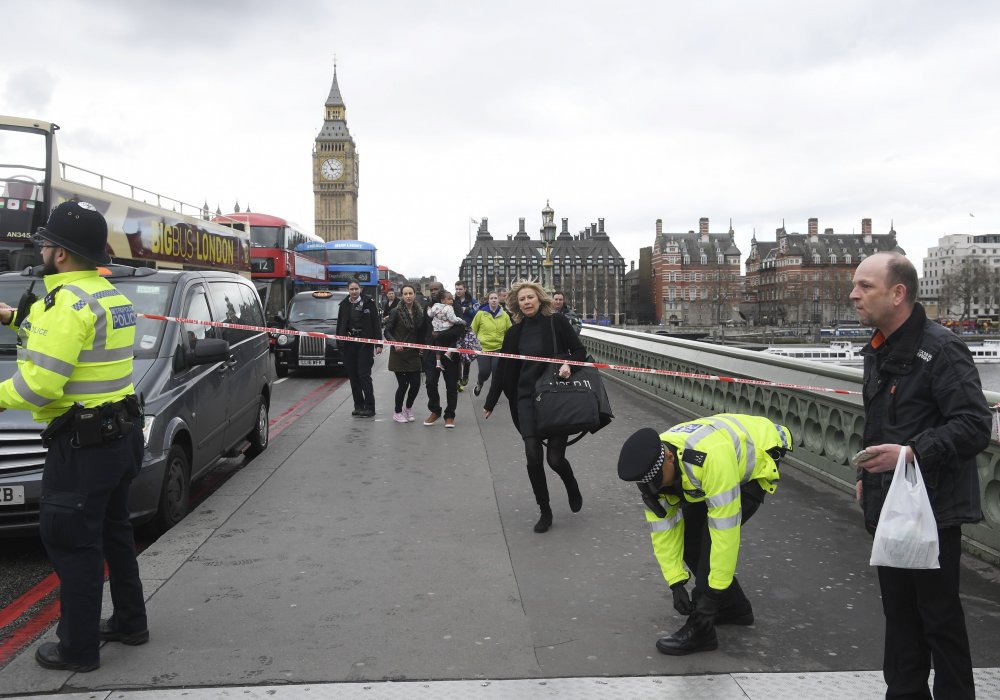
578 404
564 407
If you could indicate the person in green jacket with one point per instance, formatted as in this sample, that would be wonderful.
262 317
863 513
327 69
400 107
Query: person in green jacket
489 324
701 481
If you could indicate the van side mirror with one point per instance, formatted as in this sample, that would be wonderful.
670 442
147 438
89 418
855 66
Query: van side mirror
205 351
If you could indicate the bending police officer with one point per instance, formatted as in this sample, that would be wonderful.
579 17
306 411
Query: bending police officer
74 372
700 481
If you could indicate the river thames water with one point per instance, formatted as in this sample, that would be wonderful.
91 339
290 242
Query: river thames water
990 376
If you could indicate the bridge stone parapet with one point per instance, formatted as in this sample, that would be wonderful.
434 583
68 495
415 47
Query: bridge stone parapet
827 427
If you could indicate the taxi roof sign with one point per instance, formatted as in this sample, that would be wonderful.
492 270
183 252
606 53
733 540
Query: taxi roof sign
322 294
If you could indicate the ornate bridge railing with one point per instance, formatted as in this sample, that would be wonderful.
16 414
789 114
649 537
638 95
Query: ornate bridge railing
827 426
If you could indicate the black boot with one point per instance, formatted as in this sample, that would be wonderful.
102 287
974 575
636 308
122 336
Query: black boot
735 609
697 634
544 520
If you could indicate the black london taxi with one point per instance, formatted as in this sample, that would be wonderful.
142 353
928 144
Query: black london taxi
314 312
206 391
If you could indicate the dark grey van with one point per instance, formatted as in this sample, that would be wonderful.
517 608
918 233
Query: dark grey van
206 391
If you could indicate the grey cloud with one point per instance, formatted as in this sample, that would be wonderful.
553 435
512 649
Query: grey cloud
29 91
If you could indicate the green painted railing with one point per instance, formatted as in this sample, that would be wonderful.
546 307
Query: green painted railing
827 426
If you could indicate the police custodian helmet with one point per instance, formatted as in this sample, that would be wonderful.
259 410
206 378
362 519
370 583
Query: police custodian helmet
79 228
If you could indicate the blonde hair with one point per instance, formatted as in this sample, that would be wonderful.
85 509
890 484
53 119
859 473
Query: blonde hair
544 300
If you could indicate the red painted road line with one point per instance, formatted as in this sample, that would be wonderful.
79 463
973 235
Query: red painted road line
29 631
26 600
310 400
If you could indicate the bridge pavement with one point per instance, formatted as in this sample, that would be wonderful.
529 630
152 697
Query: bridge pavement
356 551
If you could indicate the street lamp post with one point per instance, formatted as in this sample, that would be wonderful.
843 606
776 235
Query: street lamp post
548 279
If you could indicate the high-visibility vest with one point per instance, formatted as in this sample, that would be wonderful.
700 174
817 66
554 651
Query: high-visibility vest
75 346
718 455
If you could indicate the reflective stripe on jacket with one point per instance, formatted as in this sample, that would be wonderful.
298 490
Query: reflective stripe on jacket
79 349
718 455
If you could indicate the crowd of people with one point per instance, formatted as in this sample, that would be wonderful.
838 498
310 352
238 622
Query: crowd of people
700 480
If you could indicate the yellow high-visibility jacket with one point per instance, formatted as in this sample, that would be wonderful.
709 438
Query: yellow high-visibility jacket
718 455
75 346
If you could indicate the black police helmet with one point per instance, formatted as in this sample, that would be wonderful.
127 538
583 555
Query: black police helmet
79 228
641 457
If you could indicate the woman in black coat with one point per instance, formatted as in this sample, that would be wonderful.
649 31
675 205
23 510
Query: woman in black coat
406 324
539 332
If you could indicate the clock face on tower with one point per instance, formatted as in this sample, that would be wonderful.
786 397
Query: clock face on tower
332 169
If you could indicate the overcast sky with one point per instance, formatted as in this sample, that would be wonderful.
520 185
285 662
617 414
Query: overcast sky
631 111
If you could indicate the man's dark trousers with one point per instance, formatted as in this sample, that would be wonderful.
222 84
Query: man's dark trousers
433 374
358 360
84 520
698 542
924 620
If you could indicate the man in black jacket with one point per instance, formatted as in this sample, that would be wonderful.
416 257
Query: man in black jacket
922 394
451 369
359 318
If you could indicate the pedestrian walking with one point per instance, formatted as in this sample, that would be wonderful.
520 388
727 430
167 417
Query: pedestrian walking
538 332
74 372
406 324
701 481
390 302
466 307
559 306
358 318
443 319
448 369
922 394
490 324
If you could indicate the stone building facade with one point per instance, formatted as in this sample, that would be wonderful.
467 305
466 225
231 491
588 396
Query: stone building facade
586 267
948 256
696 276
801 279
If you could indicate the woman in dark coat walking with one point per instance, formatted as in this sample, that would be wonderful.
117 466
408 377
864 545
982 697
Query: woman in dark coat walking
539 332
406 324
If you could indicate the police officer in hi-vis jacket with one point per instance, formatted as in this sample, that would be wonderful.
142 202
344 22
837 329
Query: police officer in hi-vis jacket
700 481
74 372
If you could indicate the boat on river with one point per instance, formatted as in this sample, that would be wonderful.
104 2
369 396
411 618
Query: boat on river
844 352
838 352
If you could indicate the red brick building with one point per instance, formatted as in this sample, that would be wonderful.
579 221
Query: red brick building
807 278
696 276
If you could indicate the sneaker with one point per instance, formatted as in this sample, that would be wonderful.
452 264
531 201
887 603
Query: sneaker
408 413
479 387
366 413
399 417
432 419
449 422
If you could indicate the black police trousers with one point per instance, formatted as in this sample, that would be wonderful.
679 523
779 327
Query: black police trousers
924 621
358 361
698 541
84 520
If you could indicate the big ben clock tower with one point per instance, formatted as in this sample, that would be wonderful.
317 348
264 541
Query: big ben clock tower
335 173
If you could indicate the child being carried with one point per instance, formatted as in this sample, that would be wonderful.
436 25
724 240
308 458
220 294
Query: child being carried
443 318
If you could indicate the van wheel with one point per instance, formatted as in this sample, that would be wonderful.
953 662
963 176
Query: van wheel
259 435
280 370
176 491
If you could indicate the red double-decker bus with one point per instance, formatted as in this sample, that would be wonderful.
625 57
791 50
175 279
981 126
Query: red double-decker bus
389 279
277 271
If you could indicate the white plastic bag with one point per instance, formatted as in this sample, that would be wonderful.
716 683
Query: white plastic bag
906 536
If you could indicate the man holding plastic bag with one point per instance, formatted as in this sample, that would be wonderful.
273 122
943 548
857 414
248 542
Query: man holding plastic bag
926 418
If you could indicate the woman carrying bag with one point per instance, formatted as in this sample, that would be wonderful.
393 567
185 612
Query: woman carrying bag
540 333
406 325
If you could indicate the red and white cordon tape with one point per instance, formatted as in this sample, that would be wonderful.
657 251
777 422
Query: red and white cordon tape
530 358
